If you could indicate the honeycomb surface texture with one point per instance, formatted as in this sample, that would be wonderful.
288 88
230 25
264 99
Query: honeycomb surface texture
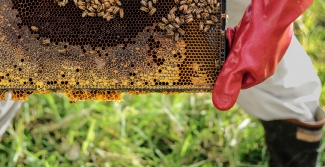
98 52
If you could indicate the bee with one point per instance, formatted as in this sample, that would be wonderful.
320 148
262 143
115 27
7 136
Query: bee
81 3
144 9
164 20
181 44
94 6
116 9
196 1
170 33
182 19
91 14
183 2
176 37
176 1
190 10
189 18
175 25
118 2
209 22
183 8
152 11
84 13
112 2
46 42
177 20
64 2
208 9
111 9
195 67
171 17
214 10
198 15
75 2
99 8
205 15
63 51
34 28
92 52
214 18
209 2
82 7
223 15
144 2
206 28
150 5
61 4
109 17
200 4
217 62
100 63
201 26
170 27
121 13
194 10
181 31
90 9
154 1
100 14
161 26
199 10
116 81
97 2
106 5
173 10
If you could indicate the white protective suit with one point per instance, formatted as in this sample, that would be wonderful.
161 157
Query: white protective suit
292 92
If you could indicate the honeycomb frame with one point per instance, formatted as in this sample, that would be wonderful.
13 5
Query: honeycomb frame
49 48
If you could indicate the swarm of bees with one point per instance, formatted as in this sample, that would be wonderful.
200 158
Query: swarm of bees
147 6
204 10
187 11
107 9
172 24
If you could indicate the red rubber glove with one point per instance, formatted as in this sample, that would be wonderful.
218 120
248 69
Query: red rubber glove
256 47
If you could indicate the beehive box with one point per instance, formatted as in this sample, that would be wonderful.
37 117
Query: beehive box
96 49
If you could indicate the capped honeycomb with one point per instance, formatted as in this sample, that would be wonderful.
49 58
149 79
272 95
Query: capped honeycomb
97 49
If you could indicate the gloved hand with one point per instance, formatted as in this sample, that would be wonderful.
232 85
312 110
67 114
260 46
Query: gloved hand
256 46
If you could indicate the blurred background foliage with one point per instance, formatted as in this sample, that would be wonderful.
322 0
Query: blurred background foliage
182 130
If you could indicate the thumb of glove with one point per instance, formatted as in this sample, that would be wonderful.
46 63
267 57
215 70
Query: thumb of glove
226 89
227 86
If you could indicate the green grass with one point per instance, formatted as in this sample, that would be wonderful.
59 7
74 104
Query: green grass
147 130
176 130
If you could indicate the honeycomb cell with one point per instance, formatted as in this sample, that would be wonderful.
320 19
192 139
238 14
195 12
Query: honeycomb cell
108 47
